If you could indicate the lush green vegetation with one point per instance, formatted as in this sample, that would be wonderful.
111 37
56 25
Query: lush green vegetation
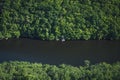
15 70
51 19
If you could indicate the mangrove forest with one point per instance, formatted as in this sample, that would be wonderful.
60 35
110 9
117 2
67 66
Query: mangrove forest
52 19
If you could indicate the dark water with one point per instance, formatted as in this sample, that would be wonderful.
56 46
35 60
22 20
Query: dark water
53 52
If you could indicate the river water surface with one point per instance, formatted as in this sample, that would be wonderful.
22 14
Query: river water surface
56 52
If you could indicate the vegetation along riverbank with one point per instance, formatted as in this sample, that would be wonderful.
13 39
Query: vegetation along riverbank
52 19
15 70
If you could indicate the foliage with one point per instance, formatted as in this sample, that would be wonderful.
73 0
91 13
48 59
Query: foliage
51 19
15 70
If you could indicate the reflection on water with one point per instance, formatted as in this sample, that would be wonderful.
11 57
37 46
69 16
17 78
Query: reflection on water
55 52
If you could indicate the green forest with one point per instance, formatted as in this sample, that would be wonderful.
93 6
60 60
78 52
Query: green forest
52 19
15 70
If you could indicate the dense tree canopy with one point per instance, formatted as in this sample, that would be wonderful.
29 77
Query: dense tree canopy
51 19
37 71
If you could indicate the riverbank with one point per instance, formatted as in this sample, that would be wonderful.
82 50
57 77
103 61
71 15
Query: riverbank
15 70
56 19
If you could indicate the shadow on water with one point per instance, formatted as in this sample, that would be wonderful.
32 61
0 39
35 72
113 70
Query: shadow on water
56 52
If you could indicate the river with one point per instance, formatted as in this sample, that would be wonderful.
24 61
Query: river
57 52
